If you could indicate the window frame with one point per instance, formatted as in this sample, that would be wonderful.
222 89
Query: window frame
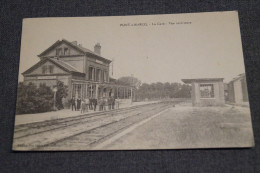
211 92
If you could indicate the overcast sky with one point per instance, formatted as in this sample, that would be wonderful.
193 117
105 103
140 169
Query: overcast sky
208 47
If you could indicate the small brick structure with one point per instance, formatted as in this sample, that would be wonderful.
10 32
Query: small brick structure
237 90
207 91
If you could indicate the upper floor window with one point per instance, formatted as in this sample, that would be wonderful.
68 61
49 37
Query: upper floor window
91 73
47 69
105 76
206 91
66 51
59 51
102 75
98 75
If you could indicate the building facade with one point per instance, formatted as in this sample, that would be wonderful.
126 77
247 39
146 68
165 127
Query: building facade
237 90
207 91
85 72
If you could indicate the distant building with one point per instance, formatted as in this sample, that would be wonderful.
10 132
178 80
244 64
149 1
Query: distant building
237 90
207 91
85 72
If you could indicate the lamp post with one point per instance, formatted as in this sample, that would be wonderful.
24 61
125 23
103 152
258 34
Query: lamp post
54 98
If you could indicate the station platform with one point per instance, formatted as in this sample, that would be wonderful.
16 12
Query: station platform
65 113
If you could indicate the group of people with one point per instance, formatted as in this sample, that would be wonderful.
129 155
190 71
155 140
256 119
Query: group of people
86 104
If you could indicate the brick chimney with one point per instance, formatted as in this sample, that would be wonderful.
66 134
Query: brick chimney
97 49
74 42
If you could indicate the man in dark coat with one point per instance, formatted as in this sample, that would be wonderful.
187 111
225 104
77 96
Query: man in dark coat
113 102
100 103
73 103
109 102
78 103
94 103
91 103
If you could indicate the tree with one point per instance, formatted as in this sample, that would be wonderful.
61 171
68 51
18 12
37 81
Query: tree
62 92
129 80
184 92
163 90
31 99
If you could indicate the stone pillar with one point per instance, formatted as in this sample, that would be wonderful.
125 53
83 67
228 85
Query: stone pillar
86 90
91 90
72 89
131 95
96 91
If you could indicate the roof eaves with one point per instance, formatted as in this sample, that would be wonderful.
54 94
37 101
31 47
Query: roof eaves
54 44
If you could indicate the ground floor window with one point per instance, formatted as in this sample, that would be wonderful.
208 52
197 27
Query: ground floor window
206 91
77 90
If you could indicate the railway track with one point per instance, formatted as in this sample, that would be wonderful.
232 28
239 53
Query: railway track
87 130
24 130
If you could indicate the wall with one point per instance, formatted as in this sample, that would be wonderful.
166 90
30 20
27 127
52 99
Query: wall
218 100
49 82
56 69
72 51
238 91
76 61
92 62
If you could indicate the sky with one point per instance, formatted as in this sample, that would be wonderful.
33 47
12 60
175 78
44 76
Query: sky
208 45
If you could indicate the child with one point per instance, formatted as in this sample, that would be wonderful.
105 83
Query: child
83 106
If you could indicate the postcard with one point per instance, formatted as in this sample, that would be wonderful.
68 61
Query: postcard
173 81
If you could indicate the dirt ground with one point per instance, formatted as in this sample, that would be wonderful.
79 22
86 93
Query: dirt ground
184 126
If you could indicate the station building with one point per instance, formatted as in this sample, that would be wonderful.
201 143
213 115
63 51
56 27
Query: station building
207 91
85 72
237 90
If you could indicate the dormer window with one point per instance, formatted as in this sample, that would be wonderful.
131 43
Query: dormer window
59 51
66 51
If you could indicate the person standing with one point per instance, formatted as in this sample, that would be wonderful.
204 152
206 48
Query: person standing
73 103
100 103
94 103
109 103
78 103
104 103
83 107
113 102
87 102
91 103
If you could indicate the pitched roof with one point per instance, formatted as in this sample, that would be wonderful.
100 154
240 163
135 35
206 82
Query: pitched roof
188 81
77 47
240 76
65 66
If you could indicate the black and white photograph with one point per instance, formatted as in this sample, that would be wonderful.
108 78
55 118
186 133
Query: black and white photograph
145 82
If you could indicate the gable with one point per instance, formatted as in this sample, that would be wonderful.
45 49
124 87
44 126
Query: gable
61 48
38 69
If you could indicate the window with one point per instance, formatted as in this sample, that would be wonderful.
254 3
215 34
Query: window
66 51
59 51
50 69
206 91
105 76
98 75
47 69
102 75
44 69
91 73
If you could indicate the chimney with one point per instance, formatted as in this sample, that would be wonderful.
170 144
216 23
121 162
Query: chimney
74 42
97 49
